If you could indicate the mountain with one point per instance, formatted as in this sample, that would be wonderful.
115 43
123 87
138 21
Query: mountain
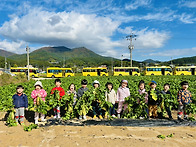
151 61
63 55
184 61
10 62
4 53
59 54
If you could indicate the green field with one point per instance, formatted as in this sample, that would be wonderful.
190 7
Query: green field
7 91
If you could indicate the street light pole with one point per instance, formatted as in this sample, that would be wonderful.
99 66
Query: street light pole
27 49
131 46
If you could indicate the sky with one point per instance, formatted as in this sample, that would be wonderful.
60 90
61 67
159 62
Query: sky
164 29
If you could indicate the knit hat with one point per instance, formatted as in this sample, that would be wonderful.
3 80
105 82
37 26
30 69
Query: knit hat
96 82
152 82
124 81
38 83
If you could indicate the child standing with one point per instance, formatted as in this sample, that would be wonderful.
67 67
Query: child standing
61 93
81 92
166 91
83 88
184 98
41 93
95 104
110 96
153 100
20 103
141 91
122 93
72 90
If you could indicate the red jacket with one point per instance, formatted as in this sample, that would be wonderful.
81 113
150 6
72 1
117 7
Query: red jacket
61 93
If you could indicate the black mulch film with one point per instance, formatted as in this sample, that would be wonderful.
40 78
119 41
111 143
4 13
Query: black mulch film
122 122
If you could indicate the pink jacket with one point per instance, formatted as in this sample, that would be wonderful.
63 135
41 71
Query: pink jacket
42 92
122 93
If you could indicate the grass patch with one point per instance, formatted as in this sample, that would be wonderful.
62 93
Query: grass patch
6 79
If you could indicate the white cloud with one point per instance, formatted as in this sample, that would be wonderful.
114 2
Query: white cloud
163 16
147 39
137 3
187 18
175 52
62 28
75 30
15 47
189 4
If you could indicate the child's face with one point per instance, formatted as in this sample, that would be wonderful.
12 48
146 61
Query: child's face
141 86
110 87
19 90
185 87
96 85
153 86
124 85
166 87
37 87
72 87
58 84
84 86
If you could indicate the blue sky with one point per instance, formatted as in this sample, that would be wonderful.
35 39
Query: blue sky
165 29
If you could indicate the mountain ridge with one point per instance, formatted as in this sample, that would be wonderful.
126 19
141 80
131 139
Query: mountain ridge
79 56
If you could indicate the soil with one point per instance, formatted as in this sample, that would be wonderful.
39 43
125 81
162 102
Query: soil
95 135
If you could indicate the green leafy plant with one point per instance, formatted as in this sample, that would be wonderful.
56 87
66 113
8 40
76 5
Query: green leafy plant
30 127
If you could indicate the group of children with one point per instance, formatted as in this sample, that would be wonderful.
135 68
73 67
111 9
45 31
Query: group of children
152 100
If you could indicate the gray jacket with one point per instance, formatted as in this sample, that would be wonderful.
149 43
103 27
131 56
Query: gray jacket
81 91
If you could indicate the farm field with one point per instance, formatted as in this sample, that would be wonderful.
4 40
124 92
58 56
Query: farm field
94 135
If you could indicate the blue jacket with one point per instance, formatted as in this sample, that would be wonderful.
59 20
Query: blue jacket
20 101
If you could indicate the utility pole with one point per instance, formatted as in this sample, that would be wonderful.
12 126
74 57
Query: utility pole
121 60
64 61
112 64
27 49
5 64
131 46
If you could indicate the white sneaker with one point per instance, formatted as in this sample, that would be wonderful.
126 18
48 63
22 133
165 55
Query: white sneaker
80 117
55 117
118 115
36 122
113 115
43 120
84 117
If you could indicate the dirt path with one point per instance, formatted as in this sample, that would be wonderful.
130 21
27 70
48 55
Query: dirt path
114 136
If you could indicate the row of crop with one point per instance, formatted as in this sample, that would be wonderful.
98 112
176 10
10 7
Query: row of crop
84 104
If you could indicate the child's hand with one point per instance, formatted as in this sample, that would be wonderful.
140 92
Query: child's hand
26 109
13 109
38 95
